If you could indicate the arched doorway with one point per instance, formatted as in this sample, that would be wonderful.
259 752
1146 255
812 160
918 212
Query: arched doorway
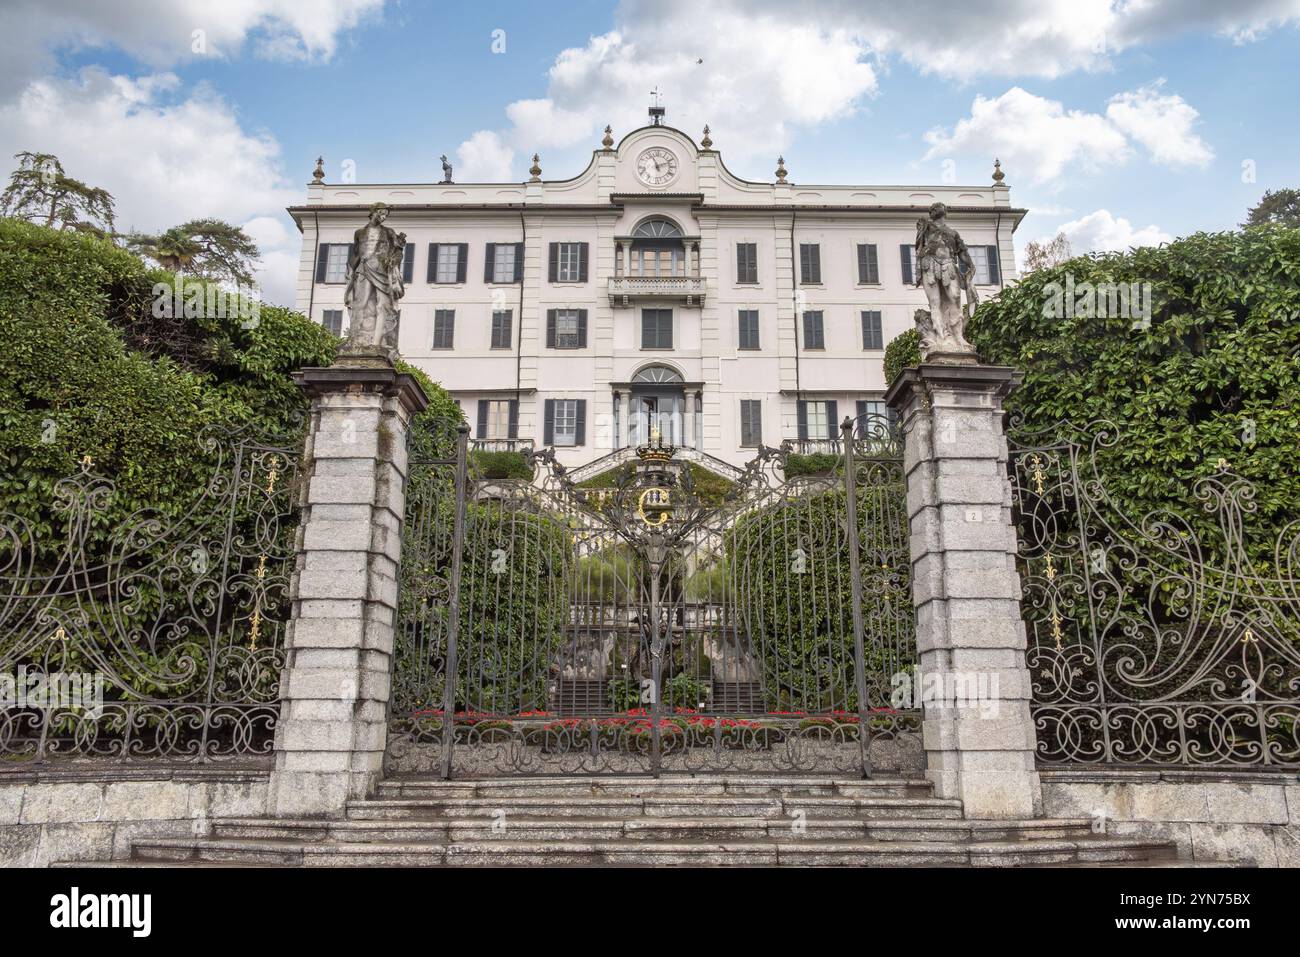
658 407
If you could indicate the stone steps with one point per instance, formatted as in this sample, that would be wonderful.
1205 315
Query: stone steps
658 853
666 786
712 829
671 821
783 808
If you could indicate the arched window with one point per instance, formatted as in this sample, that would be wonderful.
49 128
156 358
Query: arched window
657 249
657 229
657 374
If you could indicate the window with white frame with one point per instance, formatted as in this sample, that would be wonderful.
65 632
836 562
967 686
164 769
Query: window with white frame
496 425
448 262
985 260
569 268
332 320
566 421
336 262
567 333
503 263
818 418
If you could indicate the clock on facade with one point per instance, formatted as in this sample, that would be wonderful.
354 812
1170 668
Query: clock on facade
656 166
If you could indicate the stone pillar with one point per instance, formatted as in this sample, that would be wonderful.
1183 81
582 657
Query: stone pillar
623 439
979 739
329 743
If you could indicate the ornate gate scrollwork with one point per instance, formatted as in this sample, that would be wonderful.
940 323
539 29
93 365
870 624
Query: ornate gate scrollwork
658 618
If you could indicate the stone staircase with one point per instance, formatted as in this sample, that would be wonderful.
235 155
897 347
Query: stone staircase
675 820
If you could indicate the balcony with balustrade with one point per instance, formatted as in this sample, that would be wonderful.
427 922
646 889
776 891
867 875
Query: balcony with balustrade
657 264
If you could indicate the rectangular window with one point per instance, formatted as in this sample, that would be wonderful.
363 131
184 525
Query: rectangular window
810 263
905 256
332 320
567 331
817 420
873 335
566 422
656 328
868 264
814 331
747 262
748 331
498 418
503 262
501 328
444 328
751 423
873 419
448 263
336 262
985 259
569 265
658 262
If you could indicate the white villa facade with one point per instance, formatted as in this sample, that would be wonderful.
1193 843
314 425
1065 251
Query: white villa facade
653 291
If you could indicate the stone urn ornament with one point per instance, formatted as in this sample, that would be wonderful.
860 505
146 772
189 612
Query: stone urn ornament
945 270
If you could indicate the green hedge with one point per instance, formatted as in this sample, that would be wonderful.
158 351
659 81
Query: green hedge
903 352
812 463
800 625
1215 375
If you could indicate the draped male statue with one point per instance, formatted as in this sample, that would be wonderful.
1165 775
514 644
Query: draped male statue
944 269
374 287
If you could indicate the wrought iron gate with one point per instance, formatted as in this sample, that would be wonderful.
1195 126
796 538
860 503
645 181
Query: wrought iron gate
656 618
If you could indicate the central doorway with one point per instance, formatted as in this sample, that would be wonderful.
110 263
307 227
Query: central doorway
658 408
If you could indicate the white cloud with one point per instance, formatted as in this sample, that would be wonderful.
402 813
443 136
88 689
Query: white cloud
1100 231
1039 139
166 157
1161 123
483 158
163 34
1032 134
759 74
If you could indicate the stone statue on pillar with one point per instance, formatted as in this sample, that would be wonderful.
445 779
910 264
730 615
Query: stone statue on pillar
945 269
374 288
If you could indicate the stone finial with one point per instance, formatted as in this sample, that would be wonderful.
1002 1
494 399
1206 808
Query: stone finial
318 174
998 175
780 169
535 171
608 139
706 143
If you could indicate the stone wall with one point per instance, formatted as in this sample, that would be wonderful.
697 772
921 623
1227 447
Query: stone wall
1247 816
63 814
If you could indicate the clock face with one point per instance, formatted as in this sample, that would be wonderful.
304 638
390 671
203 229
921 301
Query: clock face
656 166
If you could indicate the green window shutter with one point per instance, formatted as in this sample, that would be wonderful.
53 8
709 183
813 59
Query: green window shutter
462 261
482 418
519 262
582 328
548 423
550 328
433 263
581 430
489 261
905 253
553 266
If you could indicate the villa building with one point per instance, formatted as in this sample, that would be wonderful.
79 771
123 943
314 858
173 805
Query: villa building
653 292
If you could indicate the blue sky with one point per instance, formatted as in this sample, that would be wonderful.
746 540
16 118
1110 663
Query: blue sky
1121 121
